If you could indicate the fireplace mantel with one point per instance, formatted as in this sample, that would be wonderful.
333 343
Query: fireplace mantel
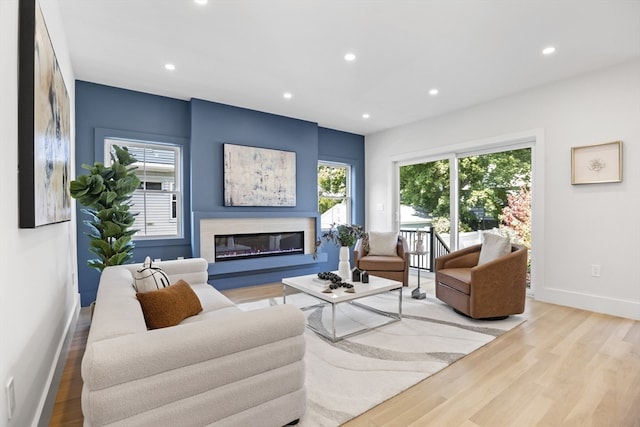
269 268
210 227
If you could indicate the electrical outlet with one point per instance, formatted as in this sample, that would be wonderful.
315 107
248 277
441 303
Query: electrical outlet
595 270
11 398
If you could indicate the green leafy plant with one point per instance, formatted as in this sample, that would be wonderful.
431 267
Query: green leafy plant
484 181
343 234
106 192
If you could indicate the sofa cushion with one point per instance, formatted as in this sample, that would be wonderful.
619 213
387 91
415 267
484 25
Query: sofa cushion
493 247
383 243
210 298
149 278
169 306
456 278
221 313
386 263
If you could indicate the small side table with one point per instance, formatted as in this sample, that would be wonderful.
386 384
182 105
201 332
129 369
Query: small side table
418 293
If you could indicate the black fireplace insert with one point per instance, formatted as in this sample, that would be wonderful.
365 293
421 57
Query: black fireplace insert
244 246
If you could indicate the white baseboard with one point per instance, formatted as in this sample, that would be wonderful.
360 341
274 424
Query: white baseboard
596 303
48 398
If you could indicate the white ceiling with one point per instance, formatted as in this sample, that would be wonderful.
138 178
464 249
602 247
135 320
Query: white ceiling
247 53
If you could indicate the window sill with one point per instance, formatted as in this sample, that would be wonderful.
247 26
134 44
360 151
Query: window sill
266 263
160 241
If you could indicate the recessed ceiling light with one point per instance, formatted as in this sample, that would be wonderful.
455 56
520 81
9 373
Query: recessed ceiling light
350 57
548 50
287 95
201 1
170 67
366 116
433 91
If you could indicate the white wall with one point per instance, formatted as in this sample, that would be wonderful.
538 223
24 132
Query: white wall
38 296
578 225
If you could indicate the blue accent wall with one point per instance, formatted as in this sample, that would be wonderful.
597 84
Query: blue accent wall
344 147
202 127
213 125
105 110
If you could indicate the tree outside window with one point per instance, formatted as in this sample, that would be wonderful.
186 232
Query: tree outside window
334 193
486 183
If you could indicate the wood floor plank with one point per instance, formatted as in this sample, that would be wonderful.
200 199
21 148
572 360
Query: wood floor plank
563 366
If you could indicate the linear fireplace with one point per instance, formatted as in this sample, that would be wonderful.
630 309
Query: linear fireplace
244 246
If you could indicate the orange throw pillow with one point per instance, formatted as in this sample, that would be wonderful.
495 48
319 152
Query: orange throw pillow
169 306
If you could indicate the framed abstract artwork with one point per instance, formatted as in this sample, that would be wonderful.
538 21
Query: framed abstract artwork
259 176
594 164
44 125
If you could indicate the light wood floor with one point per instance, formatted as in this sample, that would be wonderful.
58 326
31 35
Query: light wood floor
562 367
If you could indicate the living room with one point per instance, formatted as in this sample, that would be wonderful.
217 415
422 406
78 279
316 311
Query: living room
574 226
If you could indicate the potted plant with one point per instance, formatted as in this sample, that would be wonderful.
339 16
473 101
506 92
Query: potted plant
106 192
344 236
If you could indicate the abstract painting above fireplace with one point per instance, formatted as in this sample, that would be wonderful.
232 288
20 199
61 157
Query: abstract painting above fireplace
259 176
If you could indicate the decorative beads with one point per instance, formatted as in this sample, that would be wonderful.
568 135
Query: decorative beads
336 281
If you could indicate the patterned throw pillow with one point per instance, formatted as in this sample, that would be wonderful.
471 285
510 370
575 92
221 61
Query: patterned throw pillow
149 278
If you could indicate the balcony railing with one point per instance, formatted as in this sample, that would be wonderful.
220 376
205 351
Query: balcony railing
433 245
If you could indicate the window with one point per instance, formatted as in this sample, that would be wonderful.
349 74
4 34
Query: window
486 183
157 200
150 185
174 208
334 193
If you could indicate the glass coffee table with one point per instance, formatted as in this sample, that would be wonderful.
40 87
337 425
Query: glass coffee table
311 285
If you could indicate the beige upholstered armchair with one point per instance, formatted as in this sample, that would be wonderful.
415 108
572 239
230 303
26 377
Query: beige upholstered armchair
494 289
390 261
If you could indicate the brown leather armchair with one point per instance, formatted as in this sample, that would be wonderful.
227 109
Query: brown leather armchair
495 289
390 267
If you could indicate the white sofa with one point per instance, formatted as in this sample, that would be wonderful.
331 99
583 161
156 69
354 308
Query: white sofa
222 367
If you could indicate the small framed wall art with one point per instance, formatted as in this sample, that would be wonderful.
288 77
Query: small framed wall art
595 164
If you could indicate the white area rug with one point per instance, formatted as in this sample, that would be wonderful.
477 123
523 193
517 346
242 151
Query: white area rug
347 378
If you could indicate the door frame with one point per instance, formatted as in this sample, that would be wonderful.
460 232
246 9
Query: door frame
533 139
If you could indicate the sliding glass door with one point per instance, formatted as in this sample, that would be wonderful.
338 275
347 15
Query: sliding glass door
425 195
489 187
425 207
464 194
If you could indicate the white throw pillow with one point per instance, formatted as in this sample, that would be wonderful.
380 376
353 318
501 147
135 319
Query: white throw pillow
149 278
383 243
493 246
